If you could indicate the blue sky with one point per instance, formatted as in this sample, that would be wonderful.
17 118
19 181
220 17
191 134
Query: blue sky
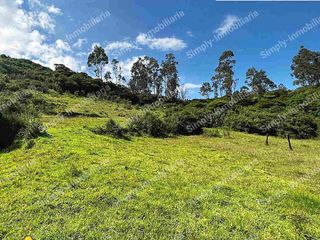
39 29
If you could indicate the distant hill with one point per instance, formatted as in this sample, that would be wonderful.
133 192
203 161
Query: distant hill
20 74
279 112
23 68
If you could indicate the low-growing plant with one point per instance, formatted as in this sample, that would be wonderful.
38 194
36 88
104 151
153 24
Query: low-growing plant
33 129
184 123
111 128
30 144
149 124
212 132
216 132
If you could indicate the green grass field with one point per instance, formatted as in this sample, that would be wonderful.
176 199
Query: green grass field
75 184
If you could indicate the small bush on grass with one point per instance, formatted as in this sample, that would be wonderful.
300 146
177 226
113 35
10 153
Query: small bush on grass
10 126
32 130
212 132
111 128
149 124
15 128
74 171
30 144
184 123
215 132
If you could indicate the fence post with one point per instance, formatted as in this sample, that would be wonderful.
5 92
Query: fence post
289 142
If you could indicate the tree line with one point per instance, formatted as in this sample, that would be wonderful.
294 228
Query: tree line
147 75
305 68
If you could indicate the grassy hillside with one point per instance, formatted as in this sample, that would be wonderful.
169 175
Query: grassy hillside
74 184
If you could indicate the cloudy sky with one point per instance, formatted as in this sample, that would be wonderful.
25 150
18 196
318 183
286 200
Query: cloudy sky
265 35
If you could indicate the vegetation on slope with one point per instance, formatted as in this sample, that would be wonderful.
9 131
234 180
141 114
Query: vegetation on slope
75 184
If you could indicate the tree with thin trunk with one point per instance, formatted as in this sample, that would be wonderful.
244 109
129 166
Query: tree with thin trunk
206 89
169 73
224 72
306 68
258 81
98 59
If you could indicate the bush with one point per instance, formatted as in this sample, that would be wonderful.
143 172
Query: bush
30 144
16 127
32 130
111 128
148 124
184 124
215 132
18 119
299 126
251 121
212 132
10 126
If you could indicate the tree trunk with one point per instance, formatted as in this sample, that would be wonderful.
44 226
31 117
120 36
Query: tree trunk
289 142
267 139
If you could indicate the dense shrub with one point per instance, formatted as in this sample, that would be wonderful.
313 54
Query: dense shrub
215 132
183 123
111 128
18 120
250 121
299 126
10 126
149 124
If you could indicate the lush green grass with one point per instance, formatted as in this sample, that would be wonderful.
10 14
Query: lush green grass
78 185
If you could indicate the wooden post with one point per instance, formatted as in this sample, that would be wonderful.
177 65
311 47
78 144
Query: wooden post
267 139
289 142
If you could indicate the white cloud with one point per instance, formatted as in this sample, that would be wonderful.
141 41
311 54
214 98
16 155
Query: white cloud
120 46
37 4
164 44
80 42
191 86
54 10
190 33
227 24
34 3
46 22
63 46
20 37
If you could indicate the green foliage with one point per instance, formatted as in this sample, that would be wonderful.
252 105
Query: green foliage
181 123
216 132
253 113
111 128
74 171
145 76
223 78
205 89
250 121
98 59
300 126
170 76
18 119
259 81
30 144
149 124
10 125
306 67
18 74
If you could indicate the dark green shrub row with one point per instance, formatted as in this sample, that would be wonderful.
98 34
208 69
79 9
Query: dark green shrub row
18 120
148 124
